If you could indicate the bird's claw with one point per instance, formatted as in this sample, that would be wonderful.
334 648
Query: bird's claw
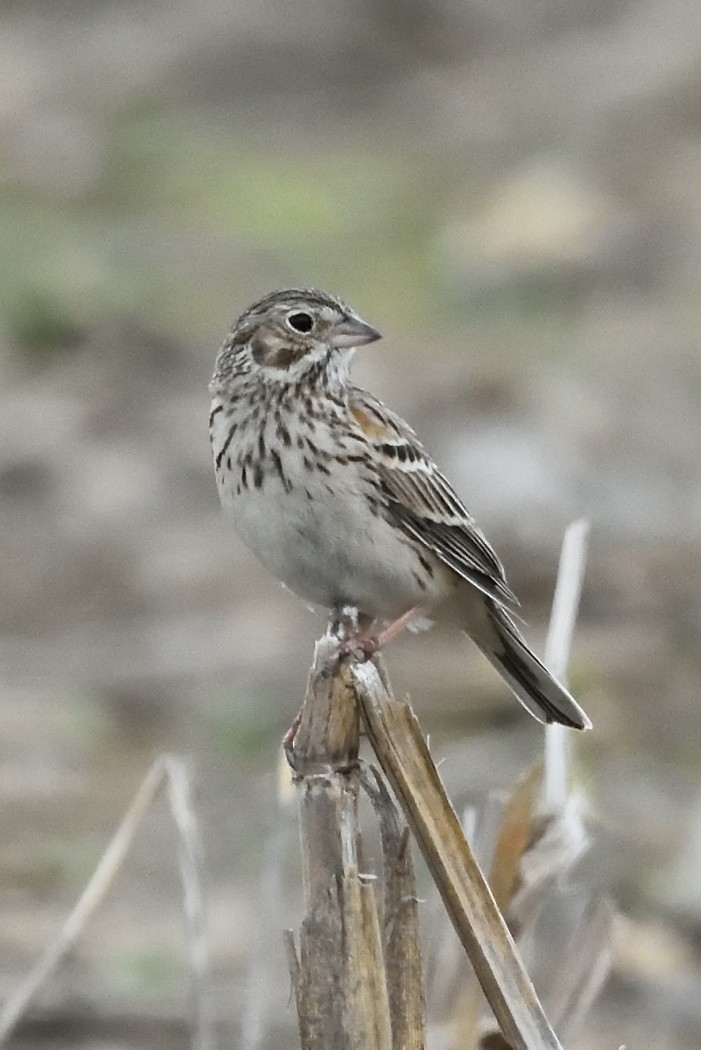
360 646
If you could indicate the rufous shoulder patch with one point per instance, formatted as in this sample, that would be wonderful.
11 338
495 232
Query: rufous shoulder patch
372 428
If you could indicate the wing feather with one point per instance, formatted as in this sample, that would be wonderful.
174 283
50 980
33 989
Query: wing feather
422 502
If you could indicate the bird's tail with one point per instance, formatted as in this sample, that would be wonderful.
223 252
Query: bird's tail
526 676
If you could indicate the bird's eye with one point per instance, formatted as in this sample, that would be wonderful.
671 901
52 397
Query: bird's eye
300 321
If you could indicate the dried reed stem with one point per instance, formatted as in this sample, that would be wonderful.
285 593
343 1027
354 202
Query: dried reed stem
568 589
169 771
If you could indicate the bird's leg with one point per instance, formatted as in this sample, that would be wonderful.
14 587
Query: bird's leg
345 622
289 738
394 629
369 644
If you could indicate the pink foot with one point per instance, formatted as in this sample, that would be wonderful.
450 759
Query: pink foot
362 646
367 645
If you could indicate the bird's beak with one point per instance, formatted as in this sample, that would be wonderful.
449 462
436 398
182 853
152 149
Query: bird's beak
352 332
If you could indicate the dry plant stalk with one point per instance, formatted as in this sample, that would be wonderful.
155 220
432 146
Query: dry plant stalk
356 981
345 995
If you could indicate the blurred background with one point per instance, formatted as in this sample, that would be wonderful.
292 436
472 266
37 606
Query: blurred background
511 192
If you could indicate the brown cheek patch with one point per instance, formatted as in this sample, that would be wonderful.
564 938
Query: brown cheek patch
370 427
275 357
284 356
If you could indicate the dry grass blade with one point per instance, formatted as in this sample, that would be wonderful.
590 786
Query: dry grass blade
166 770
103 877
514 837
586 965
558 837
568 588
258 993
190 865
402 752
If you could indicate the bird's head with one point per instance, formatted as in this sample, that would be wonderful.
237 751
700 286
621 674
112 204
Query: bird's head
293 332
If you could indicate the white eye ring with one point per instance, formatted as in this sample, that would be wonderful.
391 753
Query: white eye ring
300 321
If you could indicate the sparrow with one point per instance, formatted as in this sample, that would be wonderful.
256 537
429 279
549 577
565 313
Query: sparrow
337 497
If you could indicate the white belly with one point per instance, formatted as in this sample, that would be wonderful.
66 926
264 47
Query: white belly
329 548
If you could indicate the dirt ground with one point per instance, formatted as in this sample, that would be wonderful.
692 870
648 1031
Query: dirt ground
510 192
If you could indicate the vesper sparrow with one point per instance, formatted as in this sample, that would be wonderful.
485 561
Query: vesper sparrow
337 497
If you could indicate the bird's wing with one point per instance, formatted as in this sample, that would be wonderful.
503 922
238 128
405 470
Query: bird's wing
420 500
